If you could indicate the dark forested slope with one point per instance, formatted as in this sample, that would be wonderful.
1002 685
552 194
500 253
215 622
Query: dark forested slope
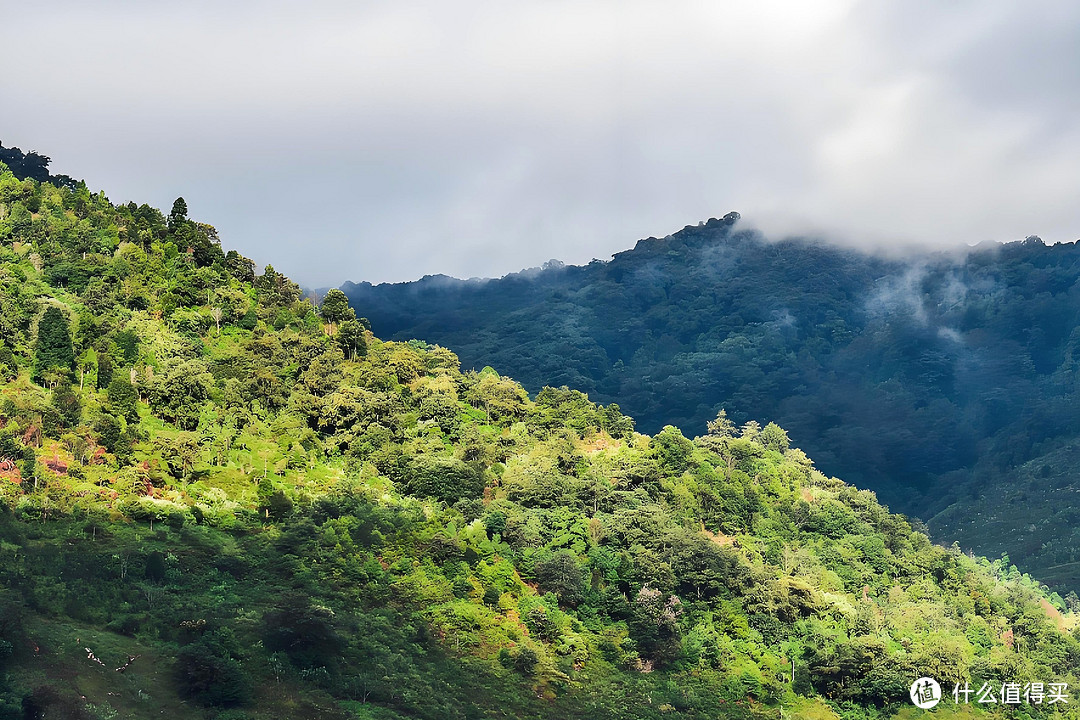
217 501
928 379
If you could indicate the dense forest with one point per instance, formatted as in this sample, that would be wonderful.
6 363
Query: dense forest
218 500
944 382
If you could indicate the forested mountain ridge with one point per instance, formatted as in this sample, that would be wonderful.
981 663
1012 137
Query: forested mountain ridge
929 379
219 501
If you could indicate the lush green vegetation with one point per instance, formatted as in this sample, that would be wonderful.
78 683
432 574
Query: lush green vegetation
217 500
930 379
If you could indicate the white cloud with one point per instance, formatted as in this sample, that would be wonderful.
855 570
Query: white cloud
382 141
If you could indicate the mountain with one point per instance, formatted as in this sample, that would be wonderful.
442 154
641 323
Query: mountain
931 379
218 501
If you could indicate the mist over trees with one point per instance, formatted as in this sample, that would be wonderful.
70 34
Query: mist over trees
935 380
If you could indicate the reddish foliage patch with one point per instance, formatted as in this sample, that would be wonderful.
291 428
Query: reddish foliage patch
57 465
1008 638
32 436
1054 614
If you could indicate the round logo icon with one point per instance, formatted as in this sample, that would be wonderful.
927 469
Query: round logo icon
925 693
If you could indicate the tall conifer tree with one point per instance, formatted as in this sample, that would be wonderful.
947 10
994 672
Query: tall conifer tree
53 349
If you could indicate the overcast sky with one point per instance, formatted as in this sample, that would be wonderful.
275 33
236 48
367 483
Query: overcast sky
384 141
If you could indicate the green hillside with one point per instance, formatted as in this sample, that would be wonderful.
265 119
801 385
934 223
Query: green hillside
217 501
929 379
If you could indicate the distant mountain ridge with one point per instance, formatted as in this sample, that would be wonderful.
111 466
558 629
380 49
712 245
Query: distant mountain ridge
928 379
